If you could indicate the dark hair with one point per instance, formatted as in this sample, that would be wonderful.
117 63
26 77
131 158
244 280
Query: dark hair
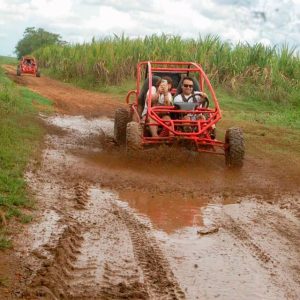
169 80
187 78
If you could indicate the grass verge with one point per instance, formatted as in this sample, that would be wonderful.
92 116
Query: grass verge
8 60
257 111
21 134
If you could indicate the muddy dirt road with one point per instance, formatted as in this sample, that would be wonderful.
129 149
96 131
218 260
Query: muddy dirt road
163 224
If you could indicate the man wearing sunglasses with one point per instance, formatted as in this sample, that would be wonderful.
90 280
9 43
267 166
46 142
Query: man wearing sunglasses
187 95
187 91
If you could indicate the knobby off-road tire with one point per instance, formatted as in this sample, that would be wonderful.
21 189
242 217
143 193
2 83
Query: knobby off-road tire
122 117
18 72
133 136
38 74
234 154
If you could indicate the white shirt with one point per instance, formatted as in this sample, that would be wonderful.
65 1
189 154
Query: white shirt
179 99
161 99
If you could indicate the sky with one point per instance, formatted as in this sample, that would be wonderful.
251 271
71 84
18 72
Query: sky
271 22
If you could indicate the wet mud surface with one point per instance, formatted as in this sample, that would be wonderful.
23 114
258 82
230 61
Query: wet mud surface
161 224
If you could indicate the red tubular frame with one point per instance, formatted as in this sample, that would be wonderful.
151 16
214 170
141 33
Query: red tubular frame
200 137
26 69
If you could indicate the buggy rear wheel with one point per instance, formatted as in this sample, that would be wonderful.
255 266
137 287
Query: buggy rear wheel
121 119
18 72
38 74
133 136
235 151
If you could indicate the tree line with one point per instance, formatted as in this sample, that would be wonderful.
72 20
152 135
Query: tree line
33 39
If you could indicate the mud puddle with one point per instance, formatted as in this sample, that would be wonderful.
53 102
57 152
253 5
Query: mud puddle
108 228
166 213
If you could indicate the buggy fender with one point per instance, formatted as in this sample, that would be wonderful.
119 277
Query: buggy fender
129 95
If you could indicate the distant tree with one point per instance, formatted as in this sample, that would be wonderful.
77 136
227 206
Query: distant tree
34 39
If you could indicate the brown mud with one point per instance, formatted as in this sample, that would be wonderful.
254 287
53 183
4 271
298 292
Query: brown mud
160 224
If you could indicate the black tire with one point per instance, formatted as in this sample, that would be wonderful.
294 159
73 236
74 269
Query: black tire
18 72
38 74
235 151
122 117
133 136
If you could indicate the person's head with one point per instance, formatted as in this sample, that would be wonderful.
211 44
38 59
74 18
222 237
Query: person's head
187 85
169 81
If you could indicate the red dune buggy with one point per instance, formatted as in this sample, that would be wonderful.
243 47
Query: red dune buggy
131 131
28 65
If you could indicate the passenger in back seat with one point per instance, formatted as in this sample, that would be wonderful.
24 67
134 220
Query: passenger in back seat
160 96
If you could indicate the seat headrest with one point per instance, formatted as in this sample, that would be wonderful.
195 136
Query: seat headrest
144 89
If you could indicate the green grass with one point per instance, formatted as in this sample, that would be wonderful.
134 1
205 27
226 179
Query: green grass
8 60
241 108
21 134
26 218
30 97
4 241
4 281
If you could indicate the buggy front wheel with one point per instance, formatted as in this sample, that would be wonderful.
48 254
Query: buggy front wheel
121 120
133 136
235 149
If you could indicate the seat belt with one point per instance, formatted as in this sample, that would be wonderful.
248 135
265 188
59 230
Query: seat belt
185 99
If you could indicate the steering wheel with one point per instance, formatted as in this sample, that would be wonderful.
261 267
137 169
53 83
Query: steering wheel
203 101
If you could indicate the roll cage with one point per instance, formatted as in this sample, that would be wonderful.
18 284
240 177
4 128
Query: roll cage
28 65
201 127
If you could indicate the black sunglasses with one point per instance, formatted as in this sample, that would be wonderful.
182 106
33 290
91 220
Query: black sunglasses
188 85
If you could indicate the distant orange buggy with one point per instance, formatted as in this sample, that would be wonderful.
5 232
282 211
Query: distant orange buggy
28 65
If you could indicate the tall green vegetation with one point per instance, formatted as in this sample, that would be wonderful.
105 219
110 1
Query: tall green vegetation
34 39
20 135
258 71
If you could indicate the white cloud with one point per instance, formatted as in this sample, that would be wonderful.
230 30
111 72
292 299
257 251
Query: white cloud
267 21
51 9
12 11
108 18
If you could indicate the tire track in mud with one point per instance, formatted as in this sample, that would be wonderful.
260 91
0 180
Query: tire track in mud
58 262
131 289
239 231
81 196
288 229
159 278
58 268
241 234
89 260
51 280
